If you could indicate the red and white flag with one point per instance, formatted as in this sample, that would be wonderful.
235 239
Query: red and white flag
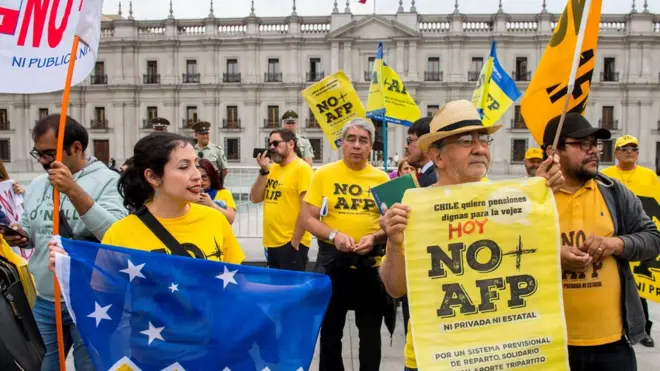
35 43
362 1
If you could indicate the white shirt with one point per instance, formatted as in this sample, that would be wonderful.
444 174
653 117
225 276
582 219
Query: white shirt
427 166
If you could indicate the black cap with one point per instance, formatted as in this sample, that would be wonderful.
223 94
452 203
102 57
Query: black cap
201 127
289 115
575 126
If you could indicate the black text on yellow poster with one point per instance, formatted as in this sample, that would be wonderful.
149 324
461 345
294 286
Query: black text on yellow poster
484 280
334 102
647 273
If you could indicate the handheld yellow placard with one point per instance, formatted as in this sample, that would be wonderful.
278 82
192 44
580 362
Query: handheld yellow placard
334 102
484 290
647 273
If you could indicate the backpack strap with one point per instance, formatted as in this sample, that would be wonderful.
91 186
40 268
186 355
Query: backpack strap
161 233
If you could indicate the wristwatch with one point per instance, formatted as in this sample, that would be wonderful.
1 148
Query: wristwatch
332 235
264 172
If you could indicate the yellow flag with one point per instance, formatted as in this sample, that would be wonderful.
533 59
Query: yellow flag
334 102
546 95
485 293
388 99
647 274
21 266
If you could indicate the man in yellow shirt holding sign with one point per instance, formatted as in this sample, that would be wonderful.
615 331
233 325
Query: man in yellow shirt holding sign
344 217
282 186
626 151
603 228
459 146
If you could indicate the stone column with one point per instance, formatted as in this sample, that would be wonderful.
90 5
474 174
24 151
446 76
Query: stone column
334 56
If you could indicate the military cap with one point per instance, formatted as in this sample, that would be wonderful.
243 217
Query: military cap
202 127
160 123
289 115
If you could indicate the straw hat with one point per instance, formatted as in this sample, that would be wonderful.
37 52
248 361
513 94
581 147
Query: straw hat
456 117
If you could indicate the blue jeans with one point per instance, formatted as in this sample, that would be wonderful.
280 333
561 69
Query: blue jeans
44 315
409 369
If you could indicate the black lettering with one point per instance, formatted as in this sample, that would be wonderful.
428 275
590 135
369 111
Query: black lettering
488 295
492 263
521 286
341 203
355 203
597 266
438 256
340 189
355 190
562 26
455 296
369 204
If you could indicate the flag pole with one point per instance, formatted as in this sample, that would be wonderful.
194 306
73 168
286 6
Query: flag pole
574 68
385 159
56 197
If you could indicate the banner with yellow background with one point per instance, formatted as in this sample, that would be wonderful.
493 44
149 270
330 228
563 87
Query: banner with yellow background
647 274
545 97
484 277
334 102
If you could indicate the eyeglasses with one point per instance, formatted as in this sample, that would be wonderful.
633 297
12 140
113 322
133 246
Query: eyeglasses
586 145
48 155
628 149
409 140
467 140
275 143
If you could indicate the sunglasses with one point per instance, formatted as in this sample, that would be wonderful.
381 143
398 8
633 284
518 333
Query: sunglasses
275 143
628 149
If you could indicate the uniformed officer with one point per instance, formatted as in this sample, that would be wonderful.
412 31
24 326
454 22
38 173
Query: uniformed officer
206 149
160 124
290 121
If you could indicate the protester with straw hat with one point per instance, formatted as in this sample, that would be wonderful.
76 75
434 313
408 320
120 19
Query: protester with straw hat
459 146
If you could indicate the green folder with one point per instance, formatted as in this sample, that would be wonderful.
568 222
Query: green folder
391 192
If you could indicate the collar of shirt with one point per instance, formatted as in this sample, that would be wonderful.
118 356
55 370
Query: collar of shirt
427 166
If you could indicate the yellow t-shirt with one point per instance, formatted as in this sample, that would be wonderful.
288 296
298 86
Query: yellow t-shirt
203 231
351 206
592 300
226 196
640 175
282 202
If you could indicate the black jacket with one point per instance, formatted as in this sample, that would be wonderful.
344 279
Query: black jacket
428 178
641 241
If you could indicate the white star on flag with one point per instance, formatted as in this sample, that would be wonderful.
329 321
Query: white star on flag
227 277
226 369
133 271
153 333
100 313
174 287
266 369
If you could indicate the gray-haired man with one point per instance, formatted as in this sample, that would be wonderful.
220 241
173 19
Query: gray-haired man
344 217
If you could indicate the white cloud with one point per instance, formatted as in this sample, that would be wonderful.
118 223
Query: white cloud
159 9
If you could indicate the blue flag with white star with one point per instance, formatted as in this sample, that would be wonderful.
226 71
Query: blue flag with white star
141 310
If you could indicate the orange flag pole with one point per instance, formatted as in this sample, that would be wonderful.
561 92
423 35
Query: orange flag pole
56 198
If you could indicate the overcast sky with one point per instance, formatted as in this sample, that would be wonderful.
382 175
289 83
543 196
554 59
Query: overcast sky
159 9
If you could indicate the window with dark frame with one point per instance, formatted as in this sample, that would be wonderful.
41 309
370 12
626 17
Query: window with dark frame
152 112
433 69
99 76
4 119
312 122
317 146
233 148
521 69
273 74
5 150
518 149
609 69
43 112
518 121
315 73
607 155
431 109
232 117
273 120
99 121
607 119
191 75
191 115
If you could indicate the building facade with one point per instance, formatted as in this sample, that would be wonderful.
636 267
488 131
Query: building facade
241 74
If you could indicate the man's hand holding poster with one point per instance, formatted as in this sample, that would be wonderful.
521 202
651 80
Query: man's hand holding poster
647 273
484 277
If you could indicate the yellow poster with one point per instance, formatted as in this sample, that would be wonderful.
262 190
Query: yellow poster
546 95
647 274
334 102
484 278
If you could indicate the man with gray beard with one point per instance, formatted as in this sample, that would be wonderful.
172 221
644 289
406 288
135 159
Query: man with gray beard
282 187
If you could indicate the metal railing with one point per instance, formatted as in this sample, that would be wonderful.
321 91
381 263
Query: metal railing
271 124
433 75
518 125
188 123
609 124
312 124
191 78
367 75
314 76
473 75
522 76
98 79
231 77
98 124
231 124
151 79
4 125
273 77
609 77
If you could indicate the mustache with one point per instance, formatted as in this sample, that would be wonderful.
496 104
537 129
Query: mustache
481 159
589 159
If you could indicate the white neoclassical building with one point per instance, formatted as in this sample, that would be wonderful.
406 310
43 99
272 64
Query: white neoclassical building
241 74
